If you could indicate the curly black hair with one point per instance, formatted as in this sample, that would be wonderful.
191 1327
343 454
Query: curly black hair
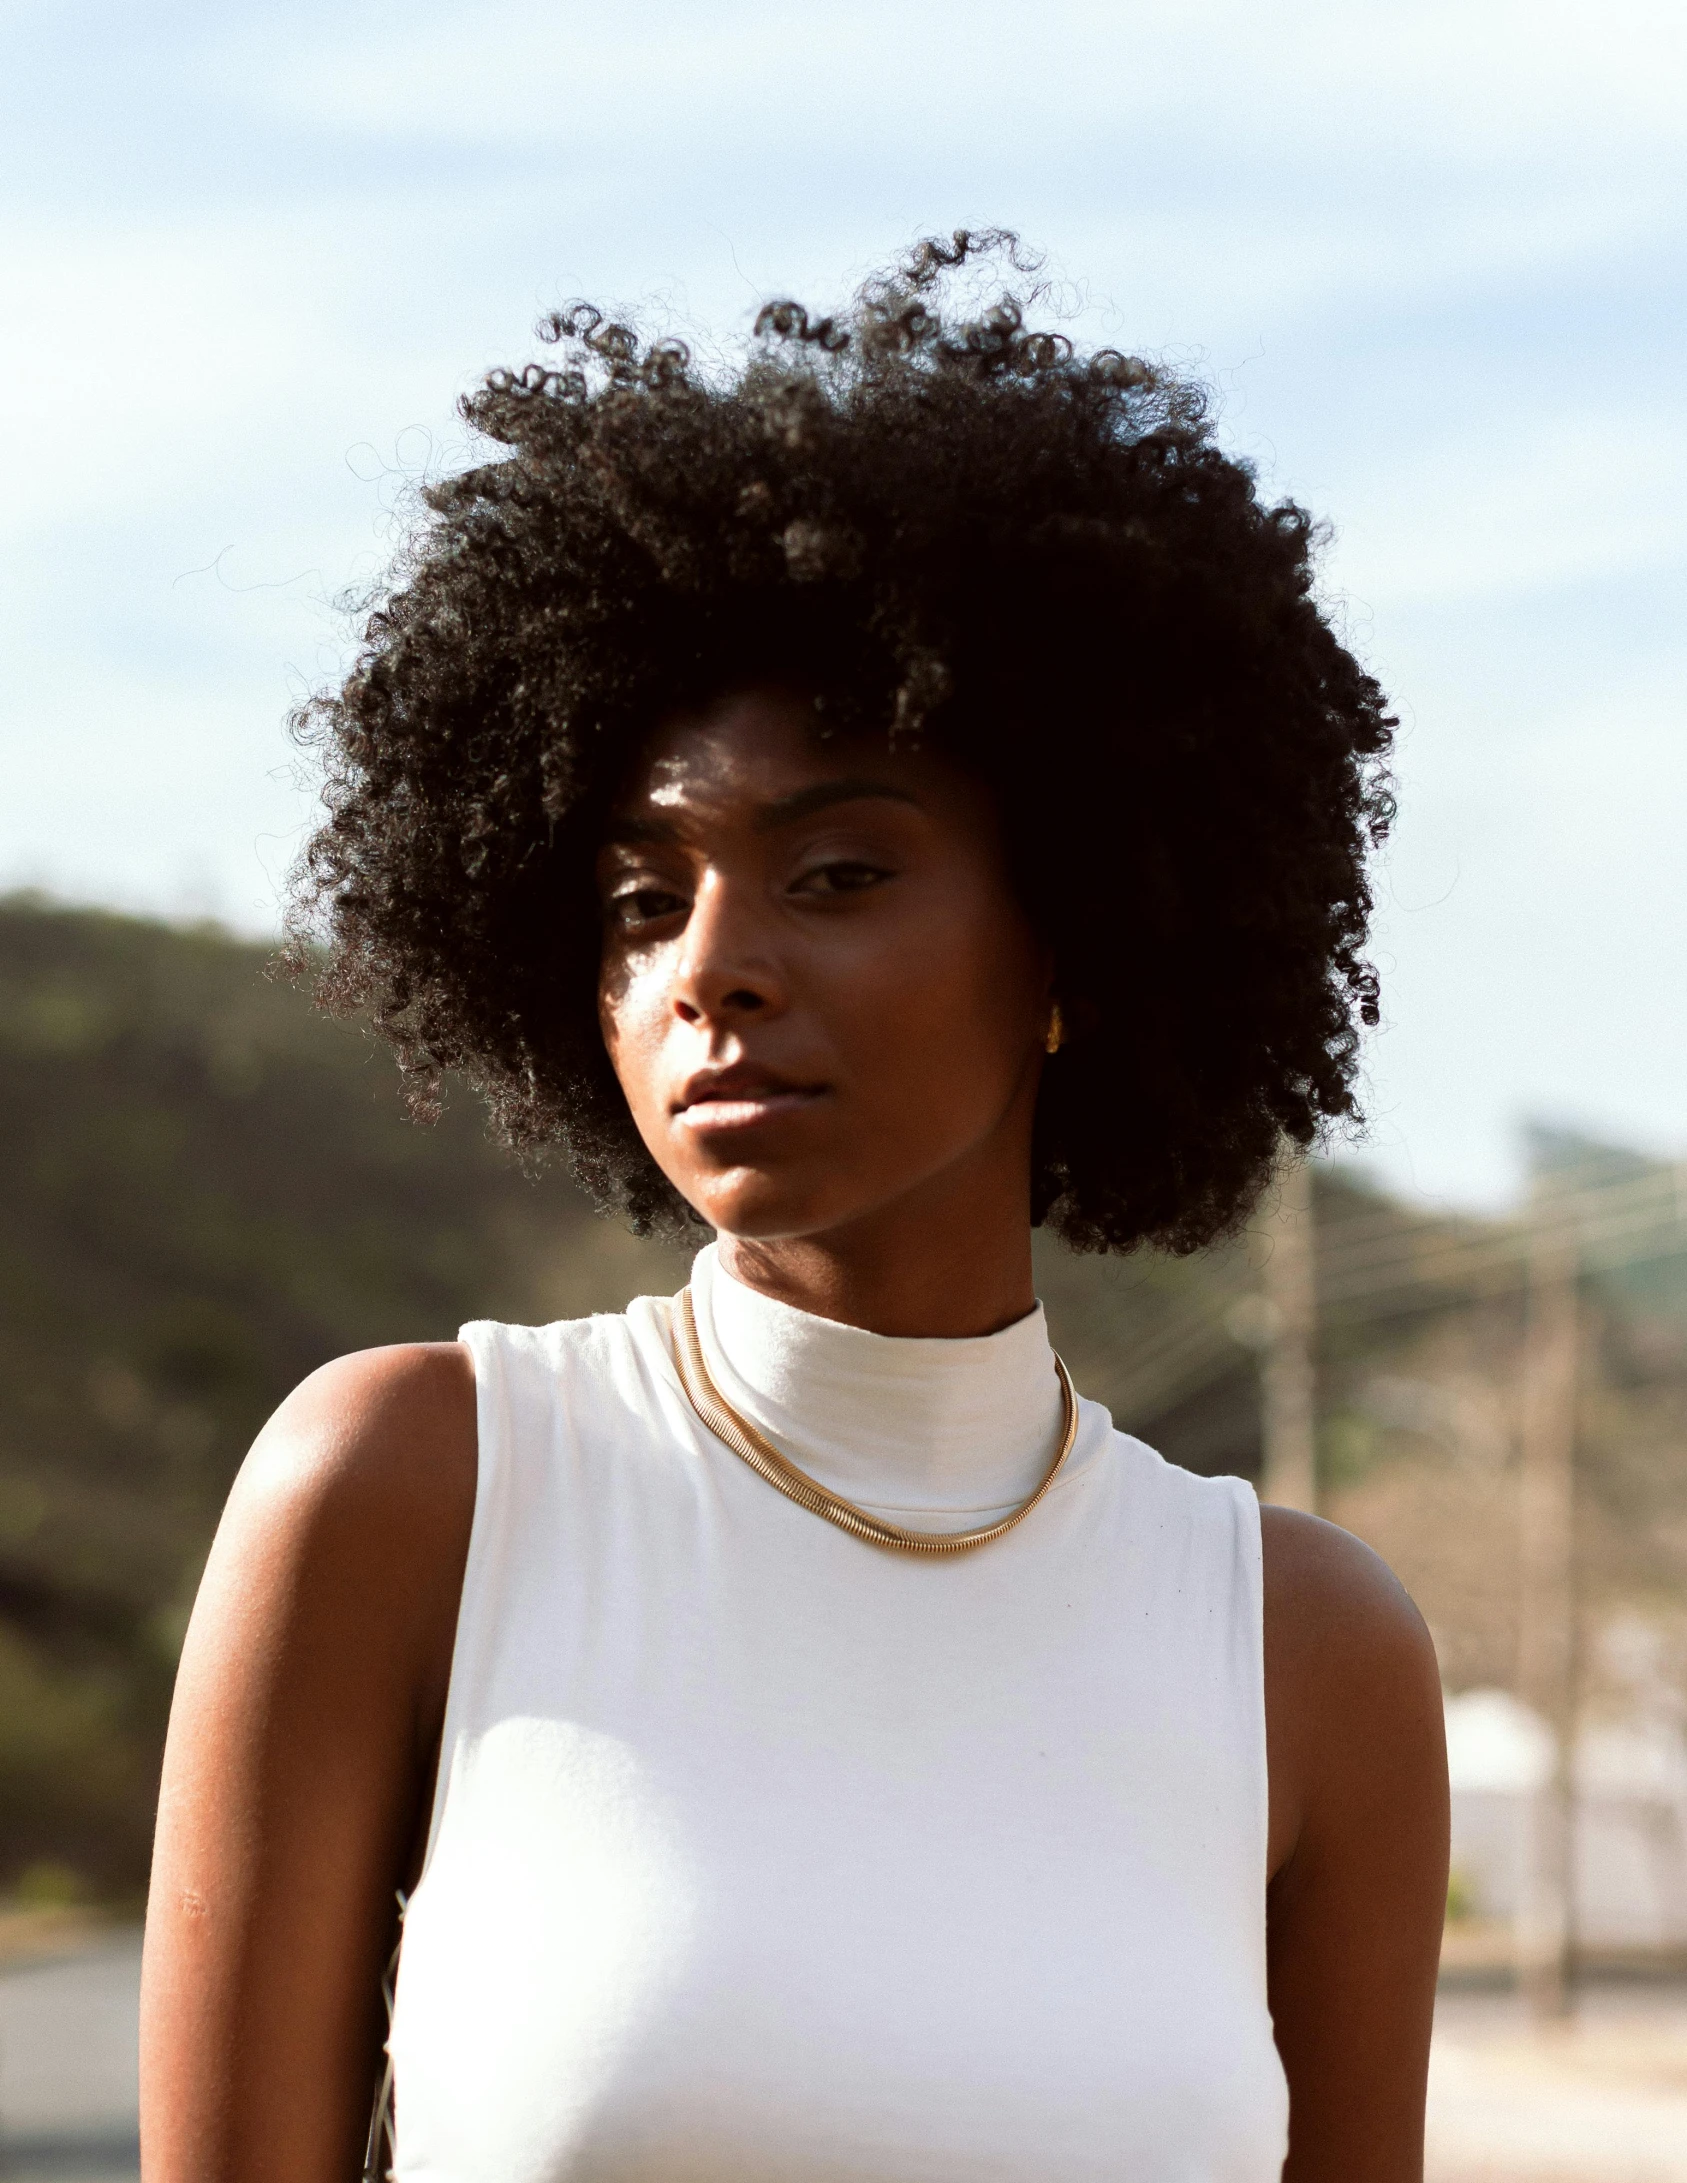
941 524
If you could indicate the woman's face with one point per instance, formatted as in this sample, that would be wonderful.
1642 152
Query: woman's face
818 992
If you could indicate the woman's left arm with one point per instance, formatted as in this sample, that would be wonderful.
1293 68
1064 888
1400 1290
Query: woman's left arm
1358 1851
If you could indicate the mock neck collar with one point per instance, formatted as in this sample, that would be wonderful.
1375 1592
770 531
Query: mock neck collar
902 1425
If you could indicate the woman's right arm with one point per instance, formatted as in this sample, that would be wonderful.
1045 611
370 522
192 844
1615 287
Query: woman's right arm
299 1769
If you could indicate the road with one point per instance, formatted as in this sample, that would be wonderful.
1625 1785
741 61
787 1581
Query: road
1602 2101
67 2066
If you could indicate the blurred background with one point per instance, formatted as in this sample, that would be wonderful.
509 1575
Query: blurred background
1431 260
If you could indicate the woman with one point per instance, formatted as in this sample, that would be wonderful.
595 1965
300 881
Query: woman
866 806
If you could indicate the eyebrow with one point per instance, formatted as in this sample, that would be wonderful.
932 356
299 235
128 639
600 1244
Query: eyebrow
783 811
822 795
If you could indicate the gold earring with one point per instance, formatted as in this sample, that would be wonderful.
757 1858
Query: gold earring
1056 1033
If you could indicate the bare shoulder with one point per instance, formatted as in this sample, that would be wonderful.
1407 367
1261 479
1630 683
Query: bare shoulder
1352 1687
379 1425
1334 1605
341 1552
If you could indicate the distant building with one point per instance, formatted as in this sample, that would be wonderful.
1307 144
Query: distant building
1630 1866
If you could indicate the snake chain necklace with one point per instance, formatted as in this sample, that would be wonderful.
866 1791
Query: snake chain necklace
782 1474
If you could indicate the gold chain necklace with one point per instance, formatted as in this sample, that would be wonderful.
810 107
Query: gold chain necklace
766 1461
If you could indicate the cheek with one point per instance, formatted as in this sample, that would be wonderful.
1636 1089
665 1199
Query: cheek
630 1013
951 1008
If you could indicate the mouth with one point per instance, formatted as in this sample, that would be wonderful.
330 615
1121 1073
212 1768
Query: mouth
718 1100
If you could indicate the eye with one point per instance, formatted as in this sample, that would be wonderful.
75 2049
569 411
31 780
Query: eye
845 875
636 906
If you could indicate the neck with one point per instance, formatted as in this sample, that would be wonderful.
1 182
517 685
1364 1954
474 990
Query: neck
950 1259
959 1427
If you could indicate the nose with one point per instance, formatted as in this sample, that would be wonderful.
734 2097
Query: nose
726 969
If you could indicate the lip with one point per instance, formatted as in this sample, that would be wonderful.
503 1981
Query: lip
740 1097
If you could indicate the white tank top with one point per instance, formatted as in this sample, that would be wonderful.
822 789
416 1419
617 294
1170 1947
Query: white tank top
762 1855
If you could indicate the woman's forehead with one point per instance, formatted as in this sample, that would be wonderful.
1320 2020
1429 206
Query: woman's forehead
761 752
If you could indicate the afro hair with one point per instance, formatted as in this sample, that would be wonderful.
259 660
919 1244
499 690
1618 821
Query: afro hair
942 523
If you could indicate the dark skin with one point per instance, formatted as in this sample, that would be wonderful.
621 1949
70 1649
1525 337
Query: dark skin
828 1014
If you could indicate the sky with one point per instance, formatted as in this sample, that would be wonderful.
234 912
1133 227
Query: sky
1432 260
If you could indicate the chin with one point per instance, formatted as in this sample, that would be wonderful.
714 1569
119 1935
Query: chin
762 1208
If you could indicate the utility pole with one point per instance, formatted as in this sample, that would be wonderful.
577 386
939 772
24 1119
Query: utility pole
1546 1664
1287 1390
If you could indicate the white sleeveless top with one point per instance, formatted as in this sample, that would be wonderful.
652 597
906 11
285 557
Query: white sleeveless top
762 1855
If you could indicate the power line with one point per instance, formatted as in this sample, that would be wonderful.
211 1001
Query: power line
1633 1222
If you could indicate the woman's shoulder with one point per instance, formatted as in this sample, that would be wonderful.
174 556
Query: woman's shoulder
369 1428
1353 1689
355 1505
571 1345
1162 1490
1332 1605
403 1422
589 1375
